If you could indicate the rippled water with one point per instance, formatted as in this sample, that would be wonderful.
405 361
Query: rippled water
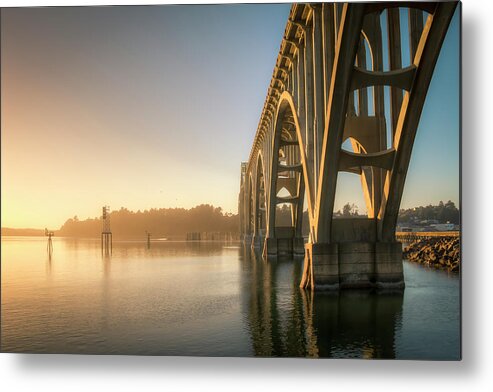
210 299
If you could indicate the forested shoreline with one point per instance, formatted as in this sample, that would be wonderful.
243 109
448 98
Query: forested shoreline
162 222
177 222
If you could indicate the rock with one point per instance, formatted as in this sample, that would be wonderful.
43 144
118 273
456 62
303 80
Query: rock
435 252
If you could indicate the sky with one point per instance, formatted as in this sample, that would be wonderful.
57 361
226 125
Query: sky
156 106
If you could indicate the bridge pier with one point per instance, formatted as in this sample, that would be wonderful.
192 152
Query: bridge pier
257 242
270 247
317 101
352 265
389 270
247 239
283 247
298 246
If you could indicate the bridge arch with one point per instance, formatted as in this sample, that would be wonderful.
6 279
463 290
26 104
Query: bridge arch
288 171
260 210
331 60
249 206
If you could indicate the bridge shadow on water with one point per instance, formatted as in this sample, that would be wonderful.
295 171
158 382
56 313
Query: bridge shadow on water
286 321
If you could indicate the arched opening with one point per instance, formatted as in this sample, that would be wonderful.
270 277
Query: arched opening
260 227
287 184
251 214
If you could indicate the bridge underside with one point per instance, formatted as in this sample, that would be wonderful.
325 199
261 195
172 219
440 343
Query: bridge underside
327 112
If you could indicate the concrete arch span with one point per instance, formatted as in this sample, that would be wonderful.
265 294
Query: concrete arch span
288 171
327 91
260 209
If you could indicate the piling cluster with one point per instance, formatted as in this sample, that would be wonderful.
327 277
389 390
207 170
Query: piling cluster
435 252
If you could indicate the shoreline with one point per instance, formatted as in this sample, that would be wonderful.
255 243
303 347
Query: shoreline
440 252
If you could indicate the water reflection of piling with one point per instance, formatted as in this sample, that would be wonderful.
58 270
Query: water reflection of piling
49 246
106 264
286 321
275 316
355 324
148 240
106 235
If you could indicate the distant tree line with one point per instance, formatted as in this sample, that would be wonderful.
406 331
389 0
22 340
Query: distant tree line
177 222
283 214
442 213
348 210
22 232
163 222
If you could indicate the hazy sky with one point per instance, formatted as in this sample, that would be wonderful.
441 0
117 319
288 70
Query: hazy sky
149 107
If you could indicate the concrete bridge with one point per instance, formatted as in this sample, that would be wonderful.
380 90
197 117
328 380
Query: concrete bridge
325 112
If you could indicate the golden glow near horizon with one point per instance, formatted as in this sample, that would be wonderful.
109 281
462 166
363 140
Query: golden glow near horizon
97 110
131 107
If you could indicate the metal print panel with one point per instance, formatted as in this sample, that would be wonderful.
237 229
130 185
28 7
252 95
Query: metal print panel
274 180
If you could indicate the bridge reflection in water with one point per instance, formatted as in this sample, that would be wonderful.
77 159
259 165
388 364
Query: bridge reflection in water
284 320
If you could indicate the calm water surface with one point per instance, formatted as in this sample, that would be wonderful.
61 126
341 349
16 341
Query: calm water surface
210 299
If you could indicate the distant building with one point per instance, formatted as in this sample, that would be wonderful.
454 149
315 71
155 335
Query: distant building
444 227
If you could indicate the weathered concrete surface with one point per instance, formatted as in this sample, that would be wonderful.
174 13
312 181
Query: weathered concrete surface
388 265
353 265
354 230
321 266
283 246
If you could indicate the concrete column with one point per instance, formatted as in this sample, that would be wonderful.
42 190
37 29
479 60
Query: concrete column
301 90
247 235
395 62
240 213
328 41
374 33
337 17
309 98
318 77
362 93
415 29
245 218
270 243
298 243
353 265
321 267
356 264
388 265
270 247
251 208
295 79
256 239
287 81
255 201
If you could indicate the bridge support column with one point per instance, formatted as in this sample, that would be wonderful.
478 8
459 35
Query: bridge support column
283 247
321 270
247 239
257 242
353 265
388 265
356 264
298 246
270 247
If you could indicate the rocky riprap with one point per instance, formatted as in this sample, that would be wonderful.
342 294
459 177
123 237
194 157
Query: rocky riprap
435 252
